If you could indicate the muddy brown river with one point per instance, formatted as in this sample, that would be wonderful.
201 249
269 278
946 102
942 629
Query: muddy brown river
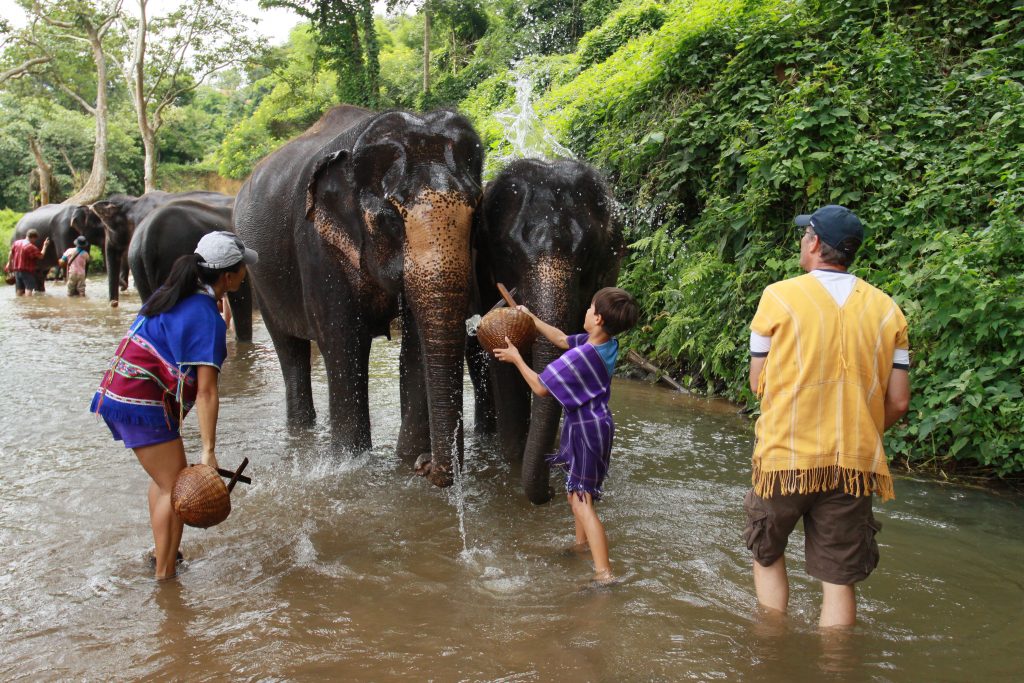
354 569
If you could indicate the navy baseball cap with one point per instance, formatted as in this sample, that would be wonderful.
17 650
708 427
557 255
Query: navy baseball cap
834 224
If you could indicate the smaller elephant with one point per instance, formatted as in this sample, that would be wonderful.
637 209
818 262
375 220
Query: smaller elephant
118 216
62 223
173 230
550 232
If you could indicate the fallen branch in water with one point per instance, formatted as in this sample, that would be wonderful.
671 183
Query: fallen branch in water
660 375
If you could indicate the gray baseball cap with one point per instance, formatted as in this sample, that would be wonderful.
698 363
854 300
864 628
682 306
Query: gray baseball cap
223 249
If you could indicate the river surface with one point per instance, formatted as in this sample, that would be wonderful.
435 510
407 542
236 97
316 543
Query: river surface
333 567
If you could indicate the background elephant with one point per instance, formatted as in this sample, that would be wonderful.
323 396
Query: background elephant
62 223
364 217
549 232
173 230
118 216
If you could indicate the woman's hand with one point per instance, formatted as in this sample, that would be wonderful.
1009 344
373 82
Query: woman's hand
510 354
210 459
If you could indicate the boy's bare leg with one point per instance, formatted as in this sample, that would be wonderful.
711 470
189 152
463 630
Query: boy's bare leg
772 585
586 517
838 605
162 463
581 534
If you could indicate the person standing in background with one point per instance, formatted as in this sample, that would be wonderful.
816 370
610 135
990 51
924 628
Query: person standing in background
76 260
22 261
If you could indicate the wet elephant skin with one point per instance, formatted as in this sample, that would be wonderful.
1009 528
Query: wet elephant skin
548 231
365 217
118 216
173 230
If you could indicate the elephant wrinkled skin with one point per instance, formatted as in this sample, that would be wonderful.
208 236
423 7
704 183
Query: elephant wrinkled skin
365 217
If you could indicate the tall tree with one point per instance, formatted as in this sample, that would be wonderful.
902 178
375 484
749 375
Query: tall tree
174 54
347 40
50 49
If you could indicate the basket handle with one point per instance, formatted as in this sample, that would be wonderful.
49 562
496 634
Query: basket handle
242 479
506 296
237 474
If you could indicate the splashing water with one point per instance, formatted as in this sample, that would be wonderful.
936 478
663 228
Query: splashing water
523 130
459 496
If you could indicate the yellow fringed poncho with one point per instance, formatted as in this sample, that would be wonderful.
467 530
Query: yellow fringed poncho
823 387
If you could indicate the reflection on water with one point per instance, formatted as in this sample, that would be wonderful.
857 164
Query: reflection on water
334 566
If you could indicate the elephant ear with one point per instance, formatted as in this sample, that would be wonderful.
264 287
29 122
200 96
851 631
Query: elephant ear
379 169
322 165
505 203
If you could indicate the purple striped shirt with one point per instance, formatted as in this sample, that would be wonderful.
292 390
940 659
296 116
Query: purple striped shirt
580 381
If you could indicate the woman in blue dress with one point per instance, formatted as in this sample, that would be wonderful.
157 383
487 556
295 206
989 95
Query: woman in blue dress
169 361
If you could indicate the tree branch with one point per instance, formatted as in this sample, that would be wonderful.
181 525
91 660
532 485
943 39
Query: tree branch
24 69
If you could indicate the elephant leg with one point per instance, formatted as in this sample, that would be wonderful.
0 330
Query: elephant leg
124 272
112 259
241 311
347 360
414 435
293 353
512 408
483 394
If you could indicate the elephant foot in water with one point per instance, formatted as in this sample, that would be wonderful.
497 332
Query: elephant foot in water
438 476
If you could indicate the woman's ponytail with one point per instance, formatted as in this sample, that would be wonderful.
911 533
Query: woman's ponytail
182 281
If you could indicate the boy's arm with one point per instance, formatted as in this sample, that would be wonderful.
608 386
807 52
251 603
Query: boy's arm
550 332
511 355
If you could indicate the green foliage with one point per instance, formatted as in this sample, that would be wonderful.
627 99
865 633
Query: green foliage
296 96
732 117
623 26
8 219
346 41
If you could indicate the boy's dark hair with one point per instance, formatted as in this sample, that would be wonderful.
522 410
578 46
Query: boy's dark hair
617 308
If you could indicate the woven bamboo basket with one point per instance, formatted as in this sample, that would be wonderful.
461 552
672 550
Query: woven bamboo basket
506 322
200 498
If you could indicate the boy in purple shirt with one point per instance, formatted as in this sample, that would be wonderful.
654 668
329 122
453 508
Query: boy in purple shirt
581 380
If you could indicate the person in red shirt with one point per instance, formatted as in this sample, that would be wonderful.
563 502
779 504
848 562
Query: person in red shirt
22 262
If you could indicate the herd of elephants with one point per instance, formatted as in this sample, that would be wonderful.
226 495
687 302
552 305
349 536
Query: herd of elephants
368 217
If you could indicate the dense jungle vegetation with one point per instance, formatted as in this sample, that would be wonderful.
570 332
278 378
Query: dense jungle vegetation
716 121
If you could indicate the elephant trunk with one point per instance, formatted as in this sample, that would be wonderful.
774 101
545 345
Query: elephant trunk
551 296
436 286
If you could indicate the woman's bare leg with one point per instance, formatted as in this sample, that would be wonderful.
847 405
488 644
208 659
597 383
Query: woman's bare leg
163 462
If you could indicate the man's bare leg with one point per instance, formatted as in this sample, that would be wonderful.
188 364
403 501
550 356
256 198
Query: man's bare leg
838 605
772 585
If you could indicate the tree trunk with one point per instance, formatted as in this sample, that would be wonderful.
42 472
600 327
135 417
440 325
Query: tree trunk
44 171
97 181
426 50
137 85
372 73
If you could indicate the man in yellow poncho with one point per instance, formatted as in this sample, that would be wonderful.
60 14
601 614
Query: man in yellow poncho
830 361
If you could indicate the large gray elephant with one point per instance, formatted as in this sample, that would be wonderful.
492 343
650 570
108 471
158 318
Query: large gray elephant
173 230
550 233
117 217
62 223
365 217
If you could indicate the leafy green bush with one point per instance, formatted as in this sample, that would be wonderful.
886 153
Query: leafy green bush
8 219
623 26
